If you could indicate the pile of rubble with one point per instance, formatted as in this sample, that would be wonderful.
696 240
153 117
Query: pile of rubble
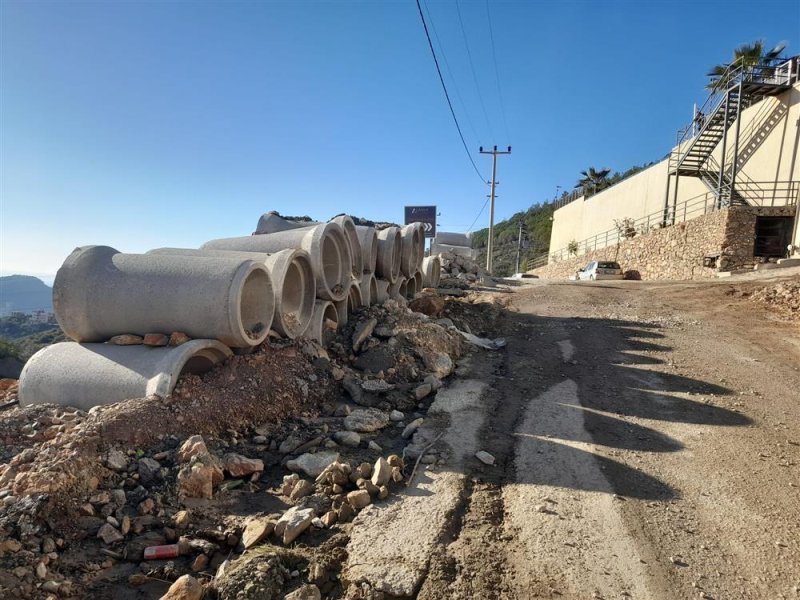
242 483
784 297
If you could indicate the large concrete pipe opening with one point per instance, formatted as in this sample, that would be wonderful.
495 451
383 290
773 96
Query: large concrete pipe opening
100 292
389 249
368 239
411 287
353 244
409 254
87 375
325 243
354 299
369 290
292 283
431 271
324 322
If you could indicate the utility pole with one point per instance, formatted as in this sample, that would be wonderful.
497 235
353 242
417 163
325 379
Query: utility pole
490 244
519 245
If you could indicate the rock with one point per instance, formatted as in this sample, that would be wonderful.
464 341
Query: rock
293 522
185 587
116 460
485 457
240 466
395 461
126 339
301 489
149 470
146 506
200 563
412 427
433 381
305 592
177 338
41 570
429 304
383 493
119 497
182 519
291 443
48 545
372 445
155 339
438 363
359 499
312 464
329 518
51 587
256 530
376 386
396 416
381 472
374 360
193 446
366 420
362 332
347 438
422 391
198 478
109 534
352 387
10 546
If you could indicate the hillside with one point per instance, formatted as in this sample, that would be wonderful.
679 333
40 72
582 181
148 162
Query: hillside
24 293
537 224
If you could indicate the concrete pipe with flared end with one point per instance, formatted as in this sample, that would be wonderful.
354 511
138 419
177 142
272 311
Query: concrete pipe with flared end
421 243
368 239
369 290
389 249
411 288
399 288
326 245
431 271
354 243
100 292
324 322
410 250
381 291
87 375
292 281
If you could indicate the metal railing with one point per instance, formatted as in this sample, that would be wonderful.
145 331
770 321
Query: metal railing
781 193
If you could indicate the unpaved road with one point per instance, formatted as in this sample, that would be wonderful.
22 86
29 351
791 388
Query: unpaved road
647 439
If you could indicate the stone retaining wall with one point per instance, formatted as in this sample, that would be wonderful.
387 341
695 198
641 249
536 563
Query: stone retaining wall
677 252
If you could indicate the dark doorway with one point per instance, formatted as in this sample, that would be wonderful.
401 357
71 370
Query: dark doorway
773 234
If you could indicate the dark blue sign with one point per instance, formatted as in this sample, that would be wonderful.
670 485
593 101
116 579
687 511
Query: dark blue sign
425 215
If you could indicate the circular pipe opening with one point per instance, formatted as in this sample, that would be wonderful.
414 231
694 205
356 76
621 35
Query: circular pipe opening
330 323
331 259
197 365
411 287
256 307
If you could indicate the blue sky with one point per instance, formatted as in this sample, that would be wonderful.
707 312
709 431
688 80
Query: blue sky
146 124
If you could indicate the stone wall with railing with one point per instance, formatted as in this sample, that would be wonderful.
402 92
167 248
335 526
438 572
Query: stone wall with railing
678 251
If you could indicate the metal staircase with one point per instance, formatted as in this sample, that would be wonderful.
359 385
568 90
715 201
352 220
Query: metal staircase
692 155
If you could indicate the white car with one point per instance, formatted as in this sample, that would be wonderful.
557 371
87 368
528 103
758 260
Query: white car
600 270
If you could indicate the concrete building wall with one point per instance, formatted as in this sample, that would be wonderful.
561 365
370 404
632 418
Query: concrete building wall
769 151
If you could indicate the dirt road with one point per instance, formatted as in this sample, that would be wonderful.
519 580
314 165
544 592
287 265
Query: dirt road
647 445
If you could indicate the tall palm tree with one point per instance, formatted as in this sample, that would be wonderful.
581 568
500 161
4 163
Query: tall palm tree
593 180
746 55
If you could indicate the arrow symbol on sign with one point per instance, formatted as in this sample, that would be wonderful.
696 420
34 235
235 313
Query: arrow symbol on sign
427 226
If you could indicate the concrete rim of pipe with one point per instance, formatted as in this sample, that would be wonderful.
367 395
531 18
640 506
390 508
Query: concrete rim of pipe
87 375
421 247
368 239
431 271
369 290
324 322
410 250
389 250
353 243
328 243
100 292
417 284
398 288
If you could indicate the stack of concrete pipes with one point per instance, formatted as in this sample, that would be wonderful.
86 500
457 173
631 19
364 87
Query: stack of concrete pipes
294 278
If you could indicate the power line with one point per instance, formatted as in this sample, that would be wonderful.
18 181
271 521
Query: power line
472 68
496 71
479 214
446 95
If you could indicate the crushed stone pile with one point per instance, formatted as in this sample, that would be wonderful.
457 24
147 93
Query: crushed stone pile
784 297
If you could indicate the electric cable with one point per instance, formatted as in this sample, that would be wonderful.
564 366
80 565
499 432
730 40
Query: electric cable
497 72
472 68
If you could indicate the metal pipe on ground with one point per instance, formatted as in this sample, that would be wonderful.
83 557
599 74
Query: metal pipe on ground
431 271
324 322
87 375
100 292
368 239
326 245
369 290
292 281
389 249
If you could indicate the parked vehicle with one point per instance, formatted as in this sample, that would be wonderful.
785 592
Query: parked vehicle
600 270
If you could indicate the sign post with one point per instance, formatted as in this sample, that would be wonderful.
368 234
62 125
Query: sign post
425 215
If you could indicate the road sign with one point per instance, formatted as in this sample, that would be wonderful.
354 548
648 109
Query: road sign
425 215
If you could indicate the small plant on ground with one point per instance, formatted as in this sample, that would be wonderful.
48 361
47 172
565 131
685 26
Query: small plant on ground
626 228
572 248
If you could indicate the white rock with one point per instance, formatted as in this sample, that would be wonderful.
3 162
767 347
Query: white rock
396 415
312 464
366 420
381 472
485 457
412 427
293 522
347 438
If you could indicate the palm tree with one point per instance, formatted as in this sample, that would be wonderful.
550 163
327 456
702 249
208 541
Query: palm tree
592 179
746 55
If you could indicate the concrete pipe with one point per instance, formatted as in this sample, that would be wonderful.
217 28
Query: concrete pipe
411 288
381 291
346 307
431 271
453 239
389 249
324 322
368 239
354 243
410 250
421 243
326 245
272 222
292 281
100 292
369 290
417 284
399 288
87 375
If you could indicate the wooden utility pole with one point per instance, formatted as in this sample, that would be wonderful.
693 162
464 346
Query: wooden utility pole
490 244
519 246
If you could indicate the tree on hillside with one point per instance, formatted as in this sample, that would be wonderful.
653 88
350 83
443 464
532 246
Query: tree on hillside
746 55
592 180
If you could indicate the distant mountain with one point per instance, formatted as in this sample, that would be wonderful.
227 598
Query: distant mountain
25 294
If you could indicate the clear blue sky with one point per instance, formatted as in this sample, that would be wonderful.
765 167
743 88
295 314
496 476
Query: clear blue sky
146 124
